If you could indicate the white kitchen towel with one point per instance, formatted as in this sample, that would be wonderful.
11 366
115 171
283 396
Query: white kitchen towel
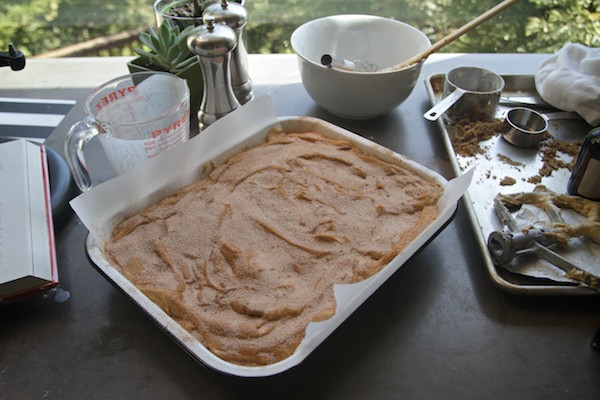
570 81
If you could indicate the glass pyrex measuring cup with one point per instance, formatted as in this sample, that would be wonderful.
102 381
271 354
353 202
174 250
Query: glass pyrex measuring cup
135 117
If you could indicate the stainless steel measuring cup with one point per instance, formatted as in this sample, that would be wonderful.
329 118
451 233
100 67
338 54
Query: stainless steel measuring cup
525 127
469 92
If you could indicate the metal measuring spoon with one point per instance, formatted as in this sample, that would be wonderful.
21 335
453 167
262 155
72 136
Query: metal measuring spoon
348 65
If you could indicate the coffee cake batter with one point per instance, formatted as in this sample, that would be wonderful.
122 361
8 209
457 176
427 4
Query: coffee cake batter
246 258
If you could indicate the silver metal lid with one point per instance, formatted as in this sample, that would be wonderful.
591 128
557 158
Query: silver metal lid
211 39
231 14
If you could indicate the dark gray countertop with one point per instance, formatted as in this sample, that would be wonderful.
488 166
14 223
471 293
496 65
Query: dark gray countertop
438 328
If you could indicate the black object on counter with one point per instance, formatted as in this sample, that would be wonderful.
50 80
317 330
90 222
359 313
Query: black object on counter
585 180
596 340
62 188
13 58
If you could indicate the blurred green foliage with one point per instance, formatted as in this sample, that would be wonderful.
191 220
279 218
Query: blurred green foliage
38 26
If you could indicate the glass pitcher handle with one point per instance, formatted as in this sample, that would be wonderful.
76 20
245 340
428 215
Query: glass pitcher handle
77 137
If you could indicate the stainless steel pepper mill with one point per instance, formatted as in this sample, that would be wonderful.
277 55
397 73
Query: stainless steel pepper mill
235 16
213 44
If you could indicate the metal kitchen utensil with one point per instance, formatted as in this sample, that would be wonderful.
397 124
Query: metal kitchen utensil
348 65
506 245
525 127
527 101
469 92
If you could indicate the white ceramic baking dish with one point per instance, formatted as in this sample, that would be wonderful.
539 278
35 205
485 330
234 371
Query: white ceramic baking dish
103 206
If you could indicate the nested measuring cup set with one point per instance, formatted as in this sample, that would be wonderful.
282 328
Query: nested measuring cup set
475 93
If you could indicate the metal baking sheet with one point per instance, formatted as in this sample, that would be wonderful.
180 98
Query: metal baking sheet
501 159
348 297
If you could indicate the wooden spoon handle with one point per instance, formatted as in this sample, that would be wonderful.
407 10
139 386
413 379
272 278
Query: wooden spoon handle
454 35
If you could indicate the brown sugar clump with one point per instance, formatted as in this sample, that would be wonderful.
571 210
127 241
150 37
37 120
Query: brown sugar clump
508 181
536 179
510 161
549 151
466 135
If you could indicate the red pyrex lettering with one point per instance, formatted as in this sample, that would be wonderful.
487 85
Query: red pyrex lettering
114 96
172 127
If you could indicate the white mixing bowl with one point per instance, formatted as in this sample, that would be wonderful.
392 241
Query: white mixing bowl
380 41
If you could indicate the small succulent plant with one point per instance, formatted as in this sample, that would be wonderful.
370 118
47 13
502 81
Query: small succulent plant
167 48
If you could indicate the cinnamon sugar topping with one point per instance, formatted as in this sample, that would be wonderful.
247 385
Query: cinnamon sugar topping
246 258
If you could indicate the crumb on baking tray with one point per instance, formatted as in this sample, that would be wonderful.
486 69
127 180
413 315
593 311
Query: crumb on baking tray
536 179
508 181
510 161
549 151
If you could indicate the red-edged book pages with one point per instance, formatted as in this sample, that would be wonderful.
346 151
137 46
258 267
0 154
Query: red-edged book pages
27 248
